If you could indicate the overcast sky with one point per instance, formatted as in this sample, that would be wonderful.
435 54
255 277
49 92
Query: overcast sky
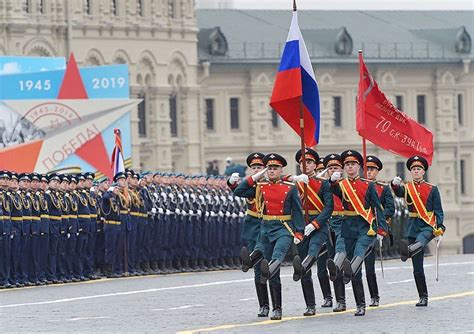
341 4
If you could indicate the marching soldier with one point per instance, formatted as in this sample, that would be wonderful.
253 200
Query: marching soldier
27 228
63 271
45 229
363 221
102 186
73 259
425 222
318 207
92 235
374 166
251 232
282 218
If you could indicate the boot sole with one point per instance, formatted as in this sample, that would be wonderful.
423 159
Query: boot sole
298 268
403 249
347 271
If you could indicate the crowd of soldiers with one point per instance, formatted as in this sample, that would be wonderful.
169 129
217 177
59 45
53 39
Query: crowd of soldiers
61 228
336 223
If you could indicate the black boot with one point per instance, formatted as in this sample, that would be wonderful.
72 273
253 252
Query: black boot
334 266
406 250
359 297
302 267
340 292
422 289
308 293
351 269
275 292
326 290
373 290
250 260
262 295
268 269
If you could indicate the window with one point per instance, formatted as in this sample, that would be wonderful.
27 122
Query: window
142 115
88 7
463 177
140 4
171 11
275 119
399 102
234 113
460 109
337 110
420 108
401 169
41 6
173 115
210 114
27 6
114 7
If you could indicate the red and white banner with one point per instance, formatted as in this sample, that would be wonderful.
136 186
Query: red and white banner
384 125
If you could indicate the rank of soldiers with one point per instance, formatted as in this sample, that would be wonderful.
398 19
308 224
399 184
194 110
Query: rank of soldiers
69 228
335 222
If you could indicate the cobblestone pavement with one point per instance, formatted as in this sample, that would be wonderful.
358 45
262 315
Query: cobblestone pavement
225 302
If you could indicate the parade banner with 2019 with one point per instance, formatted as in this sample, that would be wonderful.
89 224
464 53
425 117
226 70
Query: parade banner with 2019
58 117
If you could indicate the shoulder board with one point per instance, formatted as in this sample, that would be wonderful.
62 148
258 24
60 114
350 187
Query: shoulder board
382 183
288 183
365 180
262 183
321 178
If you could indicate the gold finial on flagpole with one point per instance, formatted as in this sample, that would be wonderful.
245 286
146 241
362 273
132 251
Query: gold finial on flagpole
294 5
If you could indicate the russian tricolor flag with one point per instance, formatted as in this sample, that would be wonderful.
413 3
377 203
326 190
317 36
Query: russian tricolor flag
117 154
295 82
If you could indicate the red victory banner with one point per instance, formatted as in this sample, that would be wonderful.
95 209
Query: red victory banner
384 125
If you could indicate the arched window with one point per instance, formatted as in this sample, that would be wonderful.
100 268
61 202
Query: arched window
173 115
142 115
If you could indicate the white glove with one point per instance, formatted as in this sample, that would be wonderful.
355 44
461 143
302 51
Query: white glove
180 196
231 198
208 197
397 180
213 214
296 240
155 195
336 176
439 238
379 237
160 211
301 178
199 212
153 210
163 194
241 214
201 198
170 195
183 213
234 215
112 188
92 189
234 178
259 175
221 214
193 197
227 214
68 235
206 214
168 212
309 229
12 236
191 212
177 211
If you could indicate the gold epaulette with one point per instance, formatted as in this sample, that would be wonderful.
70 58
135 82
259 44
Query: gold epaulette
263 183
381 183
288 183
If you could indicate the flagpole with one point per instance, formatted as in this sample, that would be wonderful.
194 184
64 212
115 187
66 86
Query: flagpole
364 145
303 151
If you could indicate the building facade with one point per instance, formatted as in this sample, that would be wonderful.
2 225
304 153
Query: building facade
205 78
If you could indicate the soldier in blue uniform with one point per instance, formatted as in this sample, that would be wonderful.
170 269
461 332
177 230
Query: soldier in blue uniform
425 222
53 199
63 267
84 226
73 257
26 230
45 229
103 184
363 216
5 231
251 232
374 166
39 230
89 249
282 218
318 207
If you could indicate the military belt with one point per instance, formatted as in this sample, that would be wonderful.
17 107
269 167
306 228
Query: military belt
35 218
337 213
350 213
83 216
312 212
416 215
55 217
45 216
4 217
135 214
282 217
252 213
17 219
93 215
124 212
112 222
